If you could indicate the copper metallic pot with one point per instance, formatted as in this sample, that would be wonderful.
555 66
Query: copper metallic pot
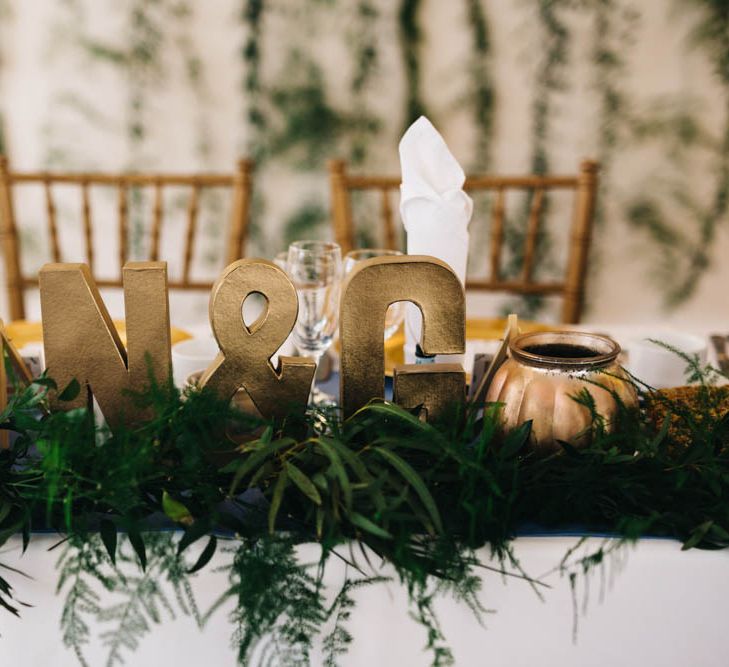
544 370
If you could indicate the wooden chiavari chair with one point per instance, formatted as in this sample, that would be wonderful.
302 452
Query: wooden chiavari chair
239 183
571 288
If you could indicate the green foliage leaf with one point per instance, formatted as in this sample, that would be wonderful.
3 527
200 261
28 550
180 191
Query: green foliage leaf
192 533
383 476
515 441
46 382
72 390
337 468
135 539
406 470
369 526
396 413
305 485
205 556
320 516
697 535
259 453
107 530
175 510
278 494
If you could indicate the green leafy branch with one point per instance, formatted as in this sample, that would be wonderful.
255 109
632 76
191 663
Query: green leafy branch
422 497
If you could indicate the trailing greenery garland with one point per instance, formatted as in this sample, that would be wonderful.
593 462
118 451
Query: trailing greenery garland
296 122
423 497
410 44
711 34
685 257
613 29
363 40
482 85
549 80
252 16
152 29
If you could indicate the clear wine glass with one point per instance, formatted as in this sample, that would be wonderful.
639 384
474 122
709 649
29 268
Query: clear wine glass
396 312
315 267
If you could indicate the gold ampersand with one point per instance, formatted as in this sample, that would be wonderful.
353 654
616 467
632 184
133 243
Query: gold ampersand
245 352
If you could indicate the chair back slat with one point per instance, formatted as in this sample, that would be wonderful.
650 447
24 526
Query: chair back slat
88 227
157 213
237 183
530 243
123 207
341 206
579 250
584 184
10 247
192 207
239 217
497 232
51 219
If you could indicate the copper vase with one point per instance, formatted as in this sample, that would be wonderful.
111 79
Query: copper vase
543 373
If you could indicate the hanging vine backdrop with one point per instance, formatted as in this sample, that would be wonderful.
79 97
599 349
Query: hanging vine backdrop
549 81
154 30
297 111
613 33
686 254
411 45
482 95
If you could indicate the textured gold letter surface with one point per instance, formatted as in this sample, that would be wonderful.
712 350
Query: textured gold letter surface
80 340
434 386
370 288
245 352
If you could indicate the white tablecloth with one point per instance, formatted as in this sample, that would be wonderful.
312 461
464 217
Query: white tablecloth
650 605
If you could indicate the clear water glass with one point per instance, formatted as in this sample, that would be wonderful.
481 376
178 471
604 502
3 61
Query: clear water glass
396 312
315 267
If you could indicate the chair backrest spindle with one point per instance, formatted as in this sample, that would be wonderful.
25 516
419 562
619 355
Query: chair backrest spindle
157 214
123 205
497 233
51 219
88 227
191 226
239 213
341 206
530 244
580 241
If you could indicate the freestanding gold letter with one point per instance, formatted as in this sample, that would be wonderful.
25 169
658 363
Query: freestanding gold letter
245 352
369 290
81 342
433 386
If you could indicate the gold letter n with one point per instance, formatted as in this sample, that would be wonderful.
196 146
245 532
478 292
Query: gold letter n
81 342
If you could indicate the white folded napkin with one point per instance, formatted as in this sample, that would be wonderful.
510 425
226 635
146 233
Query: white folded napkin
435 211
